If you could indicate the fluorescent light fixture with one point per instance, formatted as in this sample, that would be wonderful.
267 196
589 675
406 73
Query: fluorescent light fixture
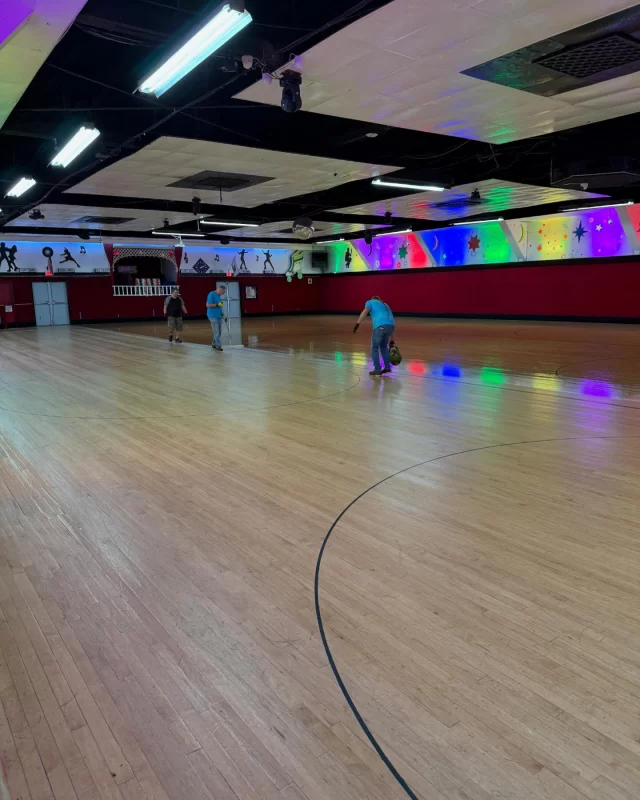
393 233
329 241
72 149
606 205
177 233
22 186
413 186
480 221
228 20
229 224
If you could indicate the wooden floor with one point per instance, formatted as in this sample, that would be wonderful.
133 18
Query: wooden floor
162 510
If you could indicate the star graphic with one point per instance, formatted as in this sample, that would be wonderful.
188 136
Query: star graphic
598 227
474 243
403 251
579 232
540 231
539 247
565 236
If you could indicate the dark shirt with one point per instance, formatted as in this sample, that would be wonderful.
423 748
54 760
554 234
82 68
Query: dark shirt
174 307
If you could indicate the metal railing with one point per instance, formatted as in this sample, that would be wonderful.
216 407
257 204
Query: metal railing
143 291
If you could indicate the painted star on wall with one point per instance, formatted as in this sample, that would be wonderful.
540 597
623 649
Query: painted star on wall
474 243
598 227
403 252
579 232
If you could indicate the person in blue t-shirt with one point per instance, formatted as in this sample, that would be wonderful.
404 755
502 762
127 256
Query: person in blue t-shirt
383 325
215 315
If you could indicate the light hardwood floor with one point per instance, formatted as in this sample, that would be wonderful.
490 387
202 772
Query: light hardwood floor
162 509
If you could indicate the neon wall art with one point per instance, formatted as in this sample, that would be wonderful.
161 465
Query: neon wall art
597 233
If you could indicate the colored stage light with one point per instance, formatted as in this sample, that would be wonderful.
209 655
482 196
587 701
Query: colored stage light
413 186
22 186
227 21
72 149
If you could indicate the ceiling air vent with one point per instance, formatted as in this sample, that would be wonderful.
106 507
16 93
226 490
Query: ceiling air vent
219 181
102 220
591 58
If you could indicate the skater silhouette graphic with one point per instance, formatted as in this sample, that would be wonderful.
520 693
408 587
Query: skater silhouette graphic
347 258
8 254
267 262
243 266
66 257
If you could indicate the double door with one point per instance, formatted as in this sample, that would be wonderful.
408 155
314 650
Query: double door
51 305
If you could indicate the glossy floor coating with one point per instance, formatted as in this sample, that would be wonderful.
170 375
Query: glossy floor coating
162 512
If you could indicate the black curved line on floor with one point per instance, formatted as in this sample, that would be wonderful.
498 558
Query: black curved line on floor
316 589
180 416
592 361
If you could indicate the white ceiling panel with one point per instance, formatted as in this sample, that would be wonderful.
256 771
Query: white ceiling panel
496 195
62 216
282 230
401 65
26 40
150 171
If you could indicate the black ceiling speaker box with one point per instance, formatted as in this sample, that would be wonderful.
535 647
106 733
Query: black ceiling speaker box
320 261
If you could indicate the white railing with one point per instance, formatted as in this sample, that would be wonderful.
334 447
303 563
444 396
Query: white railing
143 291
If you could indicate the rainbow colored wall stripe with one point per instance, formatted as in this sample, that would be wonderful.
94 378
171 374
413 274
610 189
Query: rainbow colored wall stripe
597 233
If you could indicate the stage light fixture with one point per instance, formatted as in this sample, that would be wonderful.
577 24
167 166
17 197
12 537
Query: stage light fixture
229 224
413 186
72 149
22 186
227 21
36 214
393 233
480 221
291 99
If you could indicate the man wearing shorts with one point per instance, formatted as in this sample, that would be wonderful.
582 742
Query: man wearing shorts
174 309
383 325
215 315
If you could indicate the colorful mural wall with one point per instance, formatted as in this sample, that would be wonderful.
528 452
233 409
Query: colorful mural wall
600 233
75 257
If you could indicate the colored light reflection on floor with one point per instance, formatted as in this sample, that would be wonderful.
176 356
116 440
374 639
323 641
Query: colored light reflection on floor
417 367
549 383
596 389
492 375
338 356
451 371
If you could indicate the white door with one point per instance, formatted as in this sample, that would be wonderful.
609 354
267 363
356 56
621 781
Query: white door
59 303
232 299
50 302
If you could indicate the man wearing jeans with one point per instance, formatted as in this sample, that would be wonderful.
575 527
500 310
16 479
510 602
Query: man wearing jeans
383 326
215 315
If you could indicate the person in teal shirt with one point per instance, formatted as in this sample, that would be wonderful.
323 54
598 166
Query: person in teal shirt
383 326
215 315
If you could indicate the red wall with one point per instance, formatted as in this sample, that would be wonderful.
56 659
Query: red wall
588 289
593 289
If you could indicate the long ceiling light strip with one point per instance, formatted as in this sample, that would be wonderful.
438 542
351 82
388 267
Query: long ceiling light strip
22 186
79 142
479 221
328 241
177 233
230 224
393 233
413 186
595 208
227 21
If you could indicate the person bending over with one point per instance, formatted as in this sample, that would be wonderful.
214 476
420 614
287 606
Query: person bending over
174 309
383 325
215 315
